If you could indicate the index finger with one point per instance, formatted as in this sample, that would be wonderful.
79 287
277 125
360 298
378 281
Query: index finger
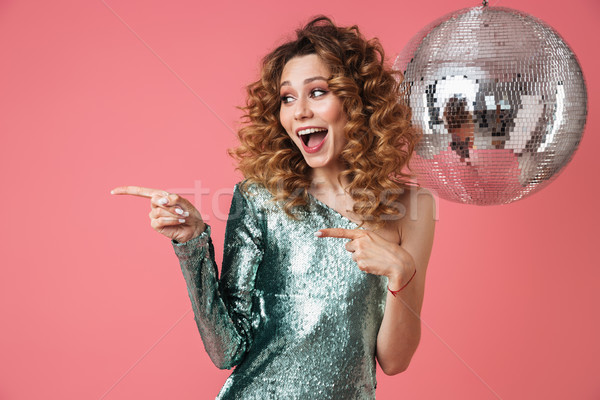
341 233
139 191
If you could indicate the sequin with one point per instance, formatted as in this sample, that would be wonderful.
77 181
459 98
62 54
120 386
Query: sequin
292 312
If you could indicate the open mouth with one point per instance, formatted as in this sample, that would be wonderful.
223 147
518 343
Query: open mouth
312 137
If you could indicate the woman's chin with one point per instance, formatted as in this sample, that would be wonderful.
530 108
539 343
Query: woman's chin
321 159
312 164
315 162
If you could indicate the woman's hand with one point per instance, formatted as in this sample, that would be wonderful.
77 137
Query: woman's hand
171 215
375 255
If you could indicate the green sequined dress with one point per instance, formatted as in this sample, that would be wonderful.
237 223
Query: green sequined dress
292 312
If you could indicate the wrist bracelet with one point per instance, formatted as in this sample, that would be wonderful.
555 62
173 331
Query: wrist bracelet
394 292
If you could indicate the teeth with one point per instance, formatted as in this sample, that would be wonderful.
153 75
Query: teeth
311 130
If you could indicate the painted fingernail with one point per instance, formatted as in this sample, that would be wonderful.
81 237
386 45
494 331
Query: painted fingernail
186 214
179 211
181 220
318 233
163 201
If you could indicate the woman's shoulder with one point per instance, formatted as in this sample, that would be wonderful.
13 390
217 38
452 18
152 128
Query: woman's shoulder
250 188
420 210
417 196
253 192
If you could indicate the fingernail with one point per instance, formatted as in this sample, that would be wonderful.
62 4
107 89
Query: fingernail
163 201
186 214
112 192
179 211
181 220
318 233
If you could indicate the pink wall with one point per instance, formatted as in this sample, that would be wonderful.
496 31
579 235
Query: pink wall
96 95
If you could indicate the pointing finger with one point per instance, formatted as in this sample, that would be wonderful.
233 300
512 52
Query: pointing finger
341 233
139 191
170 201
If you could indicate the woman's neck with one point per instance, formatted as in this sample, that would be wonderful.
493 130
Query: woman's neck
325 181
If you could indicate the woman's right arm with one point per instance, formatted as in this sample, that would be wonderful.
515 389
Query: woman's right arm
222 307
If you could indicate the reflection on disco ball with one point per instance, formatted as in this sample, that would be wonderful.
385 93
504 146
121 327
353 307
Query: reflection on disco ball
500 100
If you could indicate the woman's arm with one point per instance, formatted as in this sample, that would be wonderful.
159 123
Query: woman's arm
400 329
223 308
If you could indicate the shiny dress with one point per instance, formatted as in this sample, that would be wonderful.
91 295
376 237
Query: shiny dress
291 311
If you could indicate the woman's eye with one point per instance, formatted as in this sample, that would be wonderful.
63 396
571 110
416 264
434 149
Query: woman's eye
318 92
286 99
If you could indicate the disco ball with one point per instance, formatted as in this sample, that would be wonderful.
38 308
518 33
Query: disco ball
500 99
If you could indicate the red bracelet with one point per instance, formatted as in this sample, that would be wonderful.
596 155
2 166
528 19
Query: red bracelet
394 292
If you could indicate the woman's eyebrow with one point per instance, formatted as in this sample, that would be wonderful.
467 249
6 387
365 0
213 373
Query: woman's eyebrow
307 80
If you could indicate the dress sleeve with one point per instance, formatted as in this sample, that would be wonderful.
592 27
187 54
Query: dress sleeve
223 308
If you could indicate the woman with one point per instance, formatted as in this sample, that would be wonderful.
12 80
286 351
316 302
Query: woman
301 312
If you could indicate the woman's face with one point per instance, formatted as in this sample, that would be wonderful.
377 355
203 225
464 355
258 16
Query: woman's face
312 115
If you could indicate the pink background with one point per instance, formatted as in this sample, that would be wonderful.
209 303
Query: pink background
93 305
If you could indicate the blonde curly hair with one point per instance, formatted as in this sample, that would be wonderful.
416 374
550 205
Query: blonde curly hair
380 137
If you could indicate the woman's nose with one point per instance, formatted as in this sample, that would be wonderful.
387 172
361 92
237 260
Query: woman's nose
302 110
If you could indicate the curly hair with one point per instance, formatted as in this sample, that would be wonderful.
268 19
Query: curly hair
380 137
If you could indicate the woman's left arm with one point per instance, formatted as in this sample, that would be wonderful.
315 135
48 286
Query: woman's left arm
400 329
